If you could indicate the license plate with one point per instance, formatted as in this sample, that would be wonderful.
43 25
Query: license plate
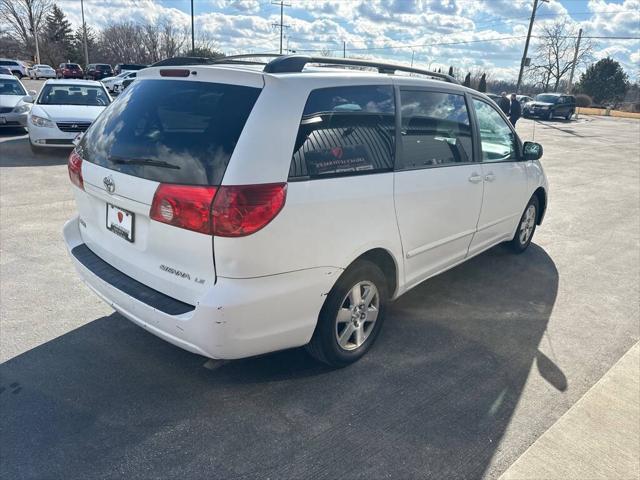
120 222
3 120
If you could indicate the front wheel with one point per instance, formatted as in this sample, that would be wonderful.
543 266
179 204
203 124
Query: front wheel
351 317
526 227
568 116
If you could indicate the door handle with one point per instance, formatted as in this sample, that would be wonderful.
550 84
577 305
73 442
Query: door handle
490 177
475 178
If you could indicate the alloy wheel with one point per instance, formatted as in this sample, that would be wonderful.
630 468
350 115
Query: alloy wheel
357 315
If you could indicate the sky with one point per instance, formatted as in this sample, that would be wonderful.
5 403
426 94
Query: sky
428 31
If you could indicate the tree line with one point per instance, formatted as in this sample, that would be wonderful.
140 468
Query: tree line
118 42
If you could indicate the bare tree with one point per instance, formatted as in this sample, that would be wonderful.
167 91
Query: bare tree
172 40
23 18
555 52
123 42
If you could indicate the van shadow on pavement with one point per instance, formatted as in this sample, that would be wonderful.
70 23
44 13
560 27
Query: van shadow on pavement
431 400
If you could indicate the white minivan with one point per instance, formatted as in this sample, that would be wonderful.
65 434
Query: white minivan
238 208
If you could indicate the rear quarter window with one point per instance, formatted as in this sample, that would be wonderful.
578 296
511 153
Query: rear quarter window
345 131
171 131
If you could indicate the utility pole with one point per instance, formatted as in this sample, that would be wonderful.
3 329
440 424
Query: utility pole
84 36
344 49
575 59
413 53
281 25
526 44
193 38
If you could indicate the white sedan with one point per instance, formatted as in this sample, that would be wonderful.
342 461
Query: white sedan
111 82
41 71
64 109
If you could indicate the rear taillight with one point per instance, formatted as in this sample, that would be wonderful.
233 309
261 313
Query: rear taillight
183 206
227 211
75 170
242 210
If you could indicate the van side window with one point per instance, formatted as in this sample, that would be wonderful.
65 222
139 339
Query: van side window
498 141
345 131
435 129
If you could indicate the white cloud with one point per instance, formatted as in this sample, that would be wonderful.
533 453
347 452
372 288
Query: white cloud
385 26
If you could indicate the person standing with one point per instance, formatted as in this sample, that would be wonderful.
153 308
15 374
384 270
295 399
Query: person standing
503 103
515 110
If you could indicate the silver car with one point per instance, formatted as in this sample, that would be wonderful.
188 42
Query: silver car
14 102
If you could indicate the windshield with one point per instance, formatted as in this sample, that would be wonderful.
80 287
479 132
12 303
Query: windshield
9 86
543 97
171 131
60 94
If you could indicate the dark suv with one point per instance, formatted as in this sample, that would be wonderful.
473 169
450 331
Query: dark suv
127 67
69 70
548 105
98 71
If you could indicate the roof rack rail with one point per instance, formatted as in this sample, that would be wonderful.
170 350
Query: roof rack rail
296 63
237 59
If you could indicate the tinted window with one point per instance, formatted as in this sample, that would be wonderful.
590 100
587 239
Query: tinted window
546 98
345 131
171 131
60 94
11 87
7 62
435 129
496 137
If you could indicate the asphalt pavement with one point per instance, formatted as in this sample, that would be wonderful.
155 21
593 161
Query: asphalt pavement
471 369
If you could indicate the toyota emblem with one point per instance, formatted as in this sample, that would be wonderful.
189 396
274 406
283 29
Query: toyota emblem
109 184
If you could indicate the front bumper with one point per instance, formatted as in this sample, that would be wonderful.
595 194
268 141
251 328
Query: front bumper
13 120
235 318
50 137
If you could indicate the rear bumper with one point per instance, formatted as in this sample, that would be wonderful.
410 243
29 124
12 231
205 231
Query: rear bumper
235 318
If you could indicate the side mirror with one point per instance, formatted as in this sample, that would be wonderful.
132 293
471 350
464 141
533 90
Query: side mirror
532 151
28 99
32 93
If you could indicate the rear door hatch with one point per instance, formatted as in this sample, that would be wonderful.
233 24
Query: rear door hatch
176 130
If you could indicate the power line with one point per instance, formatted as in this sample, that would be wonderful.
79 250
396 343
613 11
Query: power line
281 25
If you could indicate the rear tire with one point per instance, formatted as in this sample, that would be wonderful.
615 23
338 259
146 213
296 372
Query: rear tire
526 227
351 317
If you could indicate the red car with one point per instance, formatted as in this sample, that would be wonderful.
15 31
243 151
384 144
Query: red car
69 70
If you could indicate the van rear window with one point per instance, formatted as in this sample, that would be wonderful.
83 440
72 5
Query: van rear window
171 131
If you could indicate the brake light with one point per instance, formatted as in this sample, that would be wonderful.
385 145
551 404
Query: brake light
184 206
227 211
74 166
174 72
242 210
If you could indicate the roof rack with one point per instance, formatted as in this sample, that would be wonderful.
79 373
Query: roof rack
243 59
296 63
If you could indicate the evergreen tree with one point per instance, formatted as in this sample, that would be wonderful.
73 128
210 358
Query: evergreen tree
57 36
482 86
604 81
451 72
467 80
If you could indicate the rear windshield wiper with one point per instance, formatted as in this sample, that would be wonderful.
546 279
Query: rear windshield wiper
143 161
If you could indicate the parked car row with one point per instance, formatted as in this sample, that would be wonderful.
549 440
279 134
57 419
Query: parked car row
55 116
